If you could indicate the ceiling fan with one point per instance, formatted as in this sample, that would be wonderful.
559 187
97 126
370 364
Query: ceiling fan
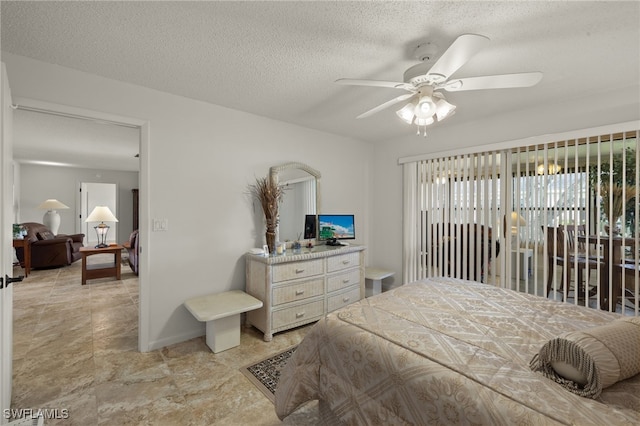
425 81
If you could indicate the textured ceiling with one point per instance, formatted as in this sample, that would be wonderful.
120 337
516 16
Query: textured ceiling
280 59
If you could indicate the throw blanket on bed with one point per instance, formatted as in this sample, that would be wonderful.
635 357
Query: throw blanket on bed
446 351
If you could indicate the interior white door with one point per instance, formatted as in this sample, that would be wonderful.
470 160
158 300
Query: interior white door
6 263
92 195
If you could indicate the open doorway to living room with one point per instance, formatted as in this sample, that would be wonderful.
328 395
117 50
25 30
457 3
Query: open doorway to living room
61 327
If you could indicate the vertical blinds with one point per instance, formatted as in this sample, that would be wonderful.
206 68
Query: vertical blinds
556 220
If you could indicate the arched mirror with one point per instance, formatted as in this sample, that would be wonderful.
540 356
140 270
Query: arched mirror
301 198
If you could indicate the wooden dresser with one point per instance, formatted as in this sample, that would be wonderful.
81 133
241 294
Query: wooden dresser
297 289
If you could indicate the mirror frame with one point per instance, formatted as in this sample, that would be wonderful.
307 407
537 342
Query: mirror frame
274 176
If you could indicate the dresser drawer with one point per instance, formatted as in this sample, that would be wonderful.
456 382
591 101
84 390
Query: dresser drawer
299 313
343 299
343 261
295 270
297 291
339 281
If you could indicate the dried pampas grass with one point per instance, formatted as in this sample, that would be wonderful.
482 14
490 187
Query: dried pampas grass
269 194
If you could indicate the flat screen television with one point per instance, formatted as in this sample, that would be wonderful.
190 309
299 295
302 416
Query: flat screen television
336 227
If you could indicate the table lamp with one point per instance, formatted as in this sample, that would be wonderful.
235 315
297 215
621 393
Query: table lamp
101 214
51 218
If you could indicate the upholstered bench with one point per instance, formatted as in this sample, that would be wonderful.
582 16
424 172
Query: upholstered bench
373 280
221 312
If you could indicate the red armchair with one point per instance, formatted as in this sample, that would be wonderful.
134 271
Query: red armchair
48 250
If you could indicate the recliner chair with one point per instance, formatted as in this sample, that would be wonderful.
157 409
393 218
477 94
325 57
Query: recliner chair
132 248
48 250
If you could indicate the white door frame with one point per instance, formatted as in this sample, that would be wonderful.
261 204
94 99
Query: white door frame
143 237
6 261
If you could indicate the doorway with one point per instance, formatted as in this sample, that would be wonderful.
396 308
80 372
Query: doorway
93 195
143 183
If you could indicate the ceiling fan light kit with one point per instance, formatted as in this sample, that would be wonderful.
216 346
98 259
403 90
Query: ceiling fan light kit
407 112
421 122
426 105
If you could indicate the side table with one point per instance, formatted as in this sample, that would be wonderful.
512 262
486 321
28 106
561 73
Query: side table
101 270
526 263
221 313
375 276
26 250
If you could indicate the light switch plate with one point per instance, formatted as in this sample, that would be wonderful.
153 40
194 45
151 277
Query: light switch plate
160 224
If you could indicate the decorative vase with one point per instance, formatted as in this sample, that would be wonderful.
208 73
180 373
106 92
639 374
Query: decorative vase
271 242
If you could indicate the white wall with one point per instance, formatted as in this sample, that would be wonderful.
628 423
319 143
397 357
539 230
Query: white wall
202 158
39 182
385 248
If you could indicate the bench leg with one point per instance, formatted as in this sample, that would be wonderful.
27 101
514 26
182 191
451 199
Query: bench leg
223 333
376 287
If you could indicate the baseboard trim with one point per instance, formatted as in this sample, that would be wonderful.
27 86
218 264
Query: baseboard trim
179 338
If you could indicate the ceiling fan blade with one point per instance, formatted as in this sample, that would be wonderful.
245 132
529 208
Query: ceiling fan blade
504 81
375 83
460 51
386 105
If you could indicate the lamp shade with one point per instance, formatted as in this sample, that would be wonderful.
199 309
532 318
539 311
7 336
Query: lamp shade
101 214
406 112
424 121
52 204
444 109
551 169
425 108
517 220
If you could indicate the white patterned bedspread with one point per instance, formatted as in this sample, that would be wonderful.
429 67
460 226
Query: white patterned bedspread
446 351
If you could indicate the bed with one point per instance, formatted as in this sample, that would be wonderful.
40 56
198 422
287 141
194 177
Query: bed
446 351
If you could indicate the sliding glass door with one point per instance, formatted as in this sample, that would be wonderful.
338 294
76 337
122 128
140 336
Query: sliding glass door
557 220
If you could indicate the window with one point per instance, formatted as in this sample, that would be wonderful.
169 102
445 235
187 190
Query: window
464 219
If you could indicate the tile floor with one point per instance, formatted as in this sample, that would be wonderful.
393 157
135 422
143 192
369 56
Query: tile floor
75 349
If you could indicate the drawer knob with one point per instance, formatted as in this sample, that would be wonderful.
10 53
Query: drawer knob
345 299
299 314
299 292
299 271
346 280
346 262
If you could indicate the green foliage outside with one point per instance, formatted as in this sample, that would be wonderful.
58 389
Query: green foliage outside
612 172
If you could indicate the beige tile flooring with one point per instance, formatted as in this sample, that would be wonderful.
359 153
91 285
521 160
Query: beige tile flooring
75 348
